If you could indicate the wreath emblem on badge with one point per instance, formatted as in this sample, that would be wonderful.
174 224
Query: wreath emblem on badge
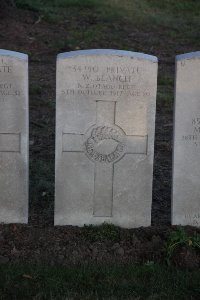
102 134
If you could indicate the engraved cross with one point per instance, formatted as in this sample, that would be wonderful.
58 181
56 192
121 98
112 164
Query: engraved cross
105 144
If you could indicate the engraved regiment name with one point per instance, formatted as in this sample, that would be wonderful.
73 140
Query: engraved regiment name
110 81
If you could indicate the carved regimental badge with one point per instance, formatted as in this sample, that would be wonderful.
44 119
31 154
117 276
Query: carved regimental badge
105 143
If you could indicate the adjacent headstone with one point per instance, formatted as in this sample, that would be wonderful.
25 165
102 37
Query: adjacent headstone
186 153
13 137
105 119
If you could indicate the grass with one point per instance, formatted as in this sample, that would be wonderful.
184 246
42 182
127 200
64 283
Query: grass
37 5
180 237
100 233
35 90
149 281
153 13
162 26
165 92
42 175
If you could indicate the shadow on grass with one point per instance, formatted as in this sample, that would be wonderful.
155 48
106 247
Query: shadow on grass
149 281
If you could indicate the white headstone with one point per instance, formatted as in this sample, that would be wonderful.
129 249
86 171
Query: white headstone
105 119
13 137
186 156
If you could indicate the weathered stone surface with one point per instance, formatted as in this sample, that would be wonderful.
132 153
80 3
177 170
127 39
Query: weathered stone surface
13 137
105 119
186 156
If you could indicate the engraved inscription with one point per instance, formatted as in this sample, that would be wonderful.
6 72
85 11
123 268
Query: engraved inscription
7 90
110 81
194 136
193 219
183 63
104 134
5 67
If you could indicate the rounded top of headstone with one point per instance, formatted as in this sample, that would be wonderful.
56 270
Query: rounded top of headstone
14 54
107 52
188 55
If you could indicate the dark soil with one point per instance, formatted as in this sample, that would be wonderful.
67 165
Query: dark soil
40 241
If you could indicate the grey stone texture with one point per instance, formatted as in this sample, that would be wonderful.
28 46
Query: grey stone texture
105 119
186 149
13 137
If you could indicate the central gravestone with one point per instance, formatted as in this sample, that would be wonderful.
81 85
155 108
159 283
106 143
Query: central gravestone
13 137
105 120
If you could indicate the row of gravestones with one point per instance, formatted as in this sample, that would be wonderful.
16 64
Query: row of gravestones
105 120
